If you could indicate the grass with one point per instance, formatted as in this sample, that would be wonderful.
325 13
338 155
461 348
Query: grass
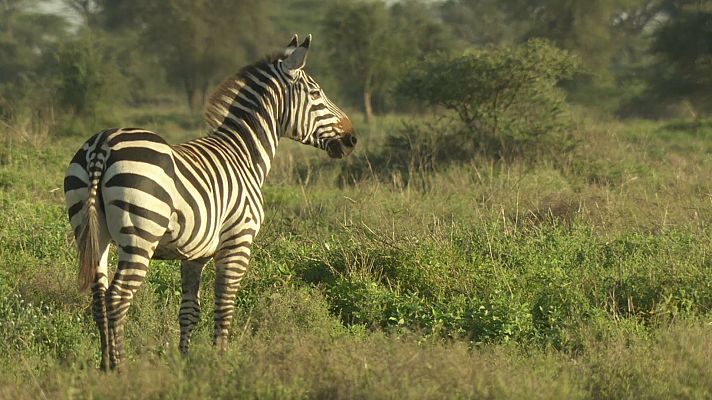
315 365
581 276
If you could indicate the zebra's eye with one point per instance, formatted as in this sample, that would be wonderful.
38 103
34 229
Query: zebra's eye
315 94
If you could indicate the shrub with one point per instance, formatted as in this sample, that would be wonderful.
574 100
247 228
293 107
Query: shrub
506 97
89 82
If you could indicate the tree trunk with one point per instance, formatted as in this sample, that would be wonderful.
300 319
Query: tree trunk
192 94
9 25
203 95
188 93
367 106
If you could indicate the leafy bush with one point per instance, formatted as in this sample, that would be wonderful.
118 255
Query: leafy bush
505 96
89 83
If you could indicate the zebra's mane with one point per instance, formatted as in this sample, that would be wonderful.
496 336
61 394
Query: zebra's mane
222 98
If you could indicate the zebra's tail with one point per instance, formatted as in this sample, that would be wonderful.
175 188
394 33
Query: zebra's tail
88 243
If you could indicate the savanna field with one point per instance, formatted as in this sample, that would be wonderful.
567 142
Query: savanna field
395 274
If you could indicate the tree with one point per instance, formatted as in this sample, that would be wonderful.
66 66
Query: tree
88 10
683 70
481 22
611 36
363 47
197 42
22 44
582 26
28 40
370 44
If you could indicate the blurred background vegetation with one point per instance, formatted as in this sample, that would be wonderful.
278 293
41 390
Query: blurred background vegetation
68 63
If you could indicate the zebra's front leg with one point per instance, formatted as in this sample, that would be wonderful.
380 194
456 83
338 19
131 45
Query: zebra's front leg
130 274
230 266
189 314
98 304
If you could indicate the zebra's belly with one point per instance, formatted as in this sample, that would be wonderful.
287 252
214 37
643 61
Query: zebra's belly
168 249
168 253
171 248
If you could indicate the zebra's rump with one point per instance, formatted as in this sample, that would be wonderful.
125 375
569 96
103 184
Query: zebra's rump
129 175
148 194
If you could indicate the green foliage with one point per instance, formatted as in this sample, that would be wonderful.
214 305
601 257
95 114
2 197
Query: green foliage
293 311
546 284
577 26
38 329
631 50
363 46
28 39
483 22
611 37
197 42
370 44
684 46
89 84
505 96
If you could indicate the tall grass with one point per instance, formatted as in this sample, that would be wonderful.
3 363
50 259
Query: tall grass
583 277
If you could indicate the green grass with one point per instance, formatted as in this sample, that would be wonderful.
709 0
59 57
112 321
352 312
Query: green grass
585 275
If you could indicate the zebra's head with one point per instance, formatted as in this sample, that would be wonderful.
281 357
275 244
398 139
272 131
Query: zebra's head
311 117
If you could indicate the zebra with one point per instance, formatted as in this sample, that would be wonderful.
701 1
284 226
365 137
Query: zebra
194 201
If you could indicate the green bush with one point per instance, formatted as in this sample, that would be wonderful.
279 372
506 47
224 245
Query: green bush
89 83
506 97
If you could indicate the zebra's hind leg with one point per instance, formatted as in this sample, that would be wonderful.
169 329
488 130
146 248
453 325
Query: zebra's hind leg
130 274
230 267
189 314
98 304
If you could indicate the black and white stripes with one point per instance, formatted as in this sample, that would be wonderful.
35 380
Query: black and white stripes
196 200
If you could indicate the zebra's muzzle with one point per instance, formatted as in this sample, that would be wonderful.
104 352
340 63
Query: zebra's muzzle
341 147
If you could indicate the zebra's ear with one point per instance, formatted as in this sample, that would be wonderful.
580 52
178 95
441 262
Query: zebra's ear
292 45
298 58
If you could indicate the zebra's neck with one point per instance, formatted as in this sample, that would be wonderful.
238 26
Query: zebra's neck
247 113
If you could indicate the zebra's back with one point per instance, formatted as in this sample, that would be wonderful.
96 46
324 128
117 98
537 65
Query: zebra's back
149 194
